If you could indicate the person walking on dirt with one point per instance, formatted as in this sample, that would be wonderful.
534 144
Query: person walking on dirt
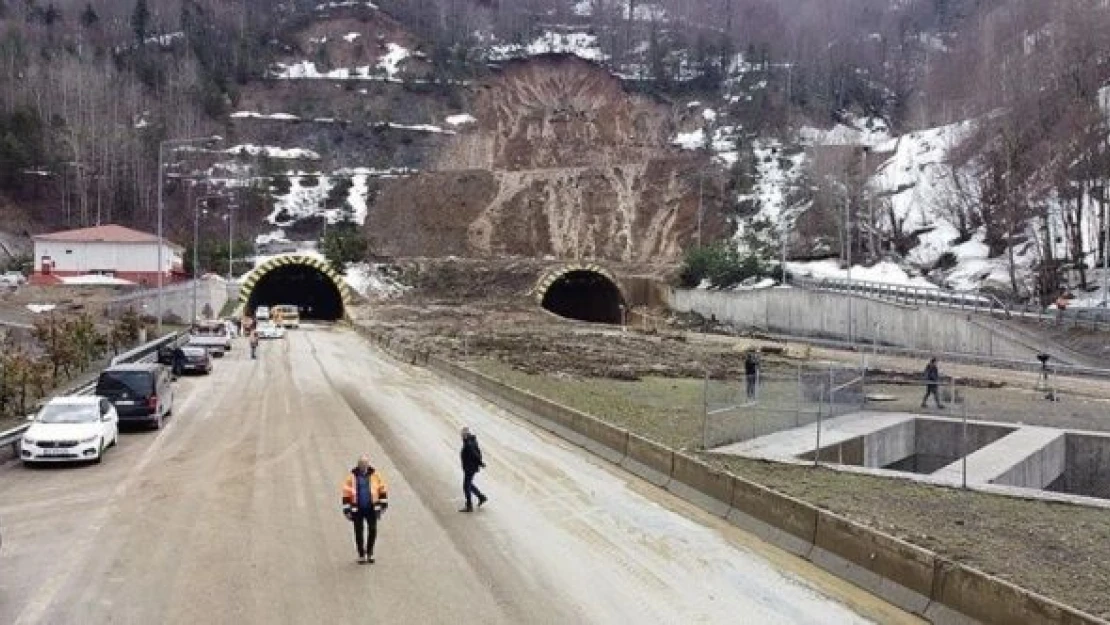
932 383
471 457
364 500
254 344
751 373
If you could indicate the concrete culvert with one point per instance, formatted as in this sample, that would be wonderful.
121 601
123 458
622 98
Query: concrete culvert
301 285
586 296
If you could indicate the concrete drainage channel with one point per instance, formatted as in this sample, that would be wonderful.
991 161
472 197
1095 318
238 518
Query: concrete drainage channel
1027 461
905 575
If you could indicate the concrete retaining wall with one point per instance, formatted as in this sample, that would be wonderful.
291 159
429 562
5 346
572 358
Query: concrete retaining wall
903 574
825 315
177 300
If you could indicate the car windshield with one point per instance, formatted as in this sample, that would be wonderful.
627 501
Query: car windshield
68 413
194 352
137 382
218 330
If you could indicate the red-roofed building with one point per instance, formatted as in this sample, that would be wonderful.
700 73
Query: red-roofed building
106 251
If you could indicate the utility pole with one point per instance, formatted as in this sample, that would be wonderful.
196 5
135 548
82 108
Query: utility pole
162 209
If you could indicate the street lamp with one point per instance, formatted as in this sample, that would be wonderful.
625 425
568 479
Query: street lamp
196 244
162 208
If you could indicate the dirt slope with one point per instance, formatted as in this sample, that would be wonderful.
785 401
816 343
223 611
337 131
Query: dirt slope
562 162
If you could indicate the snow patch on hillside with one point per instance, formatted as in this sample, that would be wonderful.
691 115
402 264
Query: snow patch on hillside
342 5
390 62
778 174
921 186
858 131
273 152
884 272
274 116
461 120
301 201
374 281
582 45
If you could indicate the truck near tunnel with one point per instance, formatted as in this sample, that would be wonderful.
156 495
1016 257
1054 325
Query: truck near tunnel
211 335
287 316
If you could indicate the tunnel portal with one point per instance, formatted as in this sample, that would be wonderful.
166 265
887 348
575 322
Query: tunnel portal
302 281
583 294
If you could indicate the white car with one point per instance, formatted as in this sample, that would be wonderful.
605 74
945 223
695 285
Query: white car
262 313
270 330
71 428
12 279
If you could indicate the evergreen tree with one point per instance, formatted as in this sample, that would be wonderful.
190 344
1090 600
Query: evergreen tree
89 18
140 20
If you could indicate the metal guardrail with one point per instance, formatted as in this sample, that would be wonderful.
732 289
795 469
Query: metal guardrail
1092 318
927 296
146 352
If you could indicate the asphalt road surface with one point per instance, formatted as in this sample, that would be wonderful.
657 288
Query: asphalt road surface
231 514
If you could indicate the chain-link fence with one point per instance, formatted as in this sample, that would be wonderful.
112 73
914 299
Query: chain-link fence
766 402
743 408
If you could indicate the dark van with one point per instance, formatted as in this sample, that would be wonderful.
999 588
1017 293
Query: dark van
141 392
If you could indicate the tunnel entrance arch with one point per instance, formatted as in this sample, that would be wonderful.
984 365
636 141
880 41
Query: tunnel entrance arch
303 281
583 293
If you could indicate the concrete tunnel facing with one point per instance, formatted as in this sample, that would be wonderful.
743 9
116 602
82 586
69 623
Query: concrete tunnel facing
585 295
307 283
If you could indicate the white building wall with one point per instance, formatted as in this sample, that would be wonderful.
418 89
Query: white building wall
106 256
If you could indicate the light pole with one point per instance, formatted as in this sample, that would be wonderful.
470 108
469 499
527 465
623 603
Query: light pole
783 234
196 245
162 145
230 241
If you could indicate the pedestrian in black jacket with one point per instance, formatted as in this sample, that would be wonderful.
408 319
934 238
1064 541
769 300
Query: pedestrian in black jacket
471 457
932 383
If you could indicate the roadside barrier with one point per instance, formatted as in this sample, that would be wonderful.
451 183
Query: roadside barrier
902 574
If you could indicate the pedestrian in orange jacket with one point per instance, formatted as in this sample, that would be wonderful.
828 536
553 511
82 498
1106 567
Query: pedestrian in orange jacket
364 499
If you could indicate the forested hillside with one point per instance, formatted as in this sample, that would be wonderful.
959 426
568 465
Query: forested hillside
963 140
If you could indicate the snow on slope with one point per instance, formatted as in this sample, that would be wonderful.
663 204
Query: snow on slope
884 272
582 45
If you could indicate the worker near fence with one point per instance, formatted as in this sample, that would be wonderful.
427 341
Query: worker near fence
932 383
751 373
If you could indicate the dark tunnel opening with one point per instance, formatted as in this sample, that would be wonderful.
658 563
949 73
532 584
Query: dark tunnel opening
303 286
584 296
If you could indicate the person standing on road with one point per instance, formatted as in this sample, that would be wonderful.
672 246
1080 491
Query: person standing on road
751 373
932 383
254 344
364 500
471 456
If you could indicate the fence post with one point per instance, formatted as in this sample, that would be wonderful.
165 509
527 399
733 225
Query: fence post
798 400
963 452
705 412
817 447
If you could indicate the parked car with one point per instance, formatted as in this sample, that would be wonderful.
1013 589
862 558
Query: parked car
71 428
262 313
140 392
168 354
270 330
211 335
12 279
192 360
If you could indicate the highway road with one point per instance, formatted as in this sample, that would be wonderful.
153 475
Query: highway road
231 514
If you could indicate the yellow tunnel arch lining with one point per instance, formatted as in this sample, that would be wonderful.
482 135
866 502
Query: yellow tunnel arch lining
553 276
246 287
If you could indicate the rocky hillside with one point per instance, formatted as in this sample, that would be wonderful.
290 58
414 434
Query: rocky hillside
561 161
